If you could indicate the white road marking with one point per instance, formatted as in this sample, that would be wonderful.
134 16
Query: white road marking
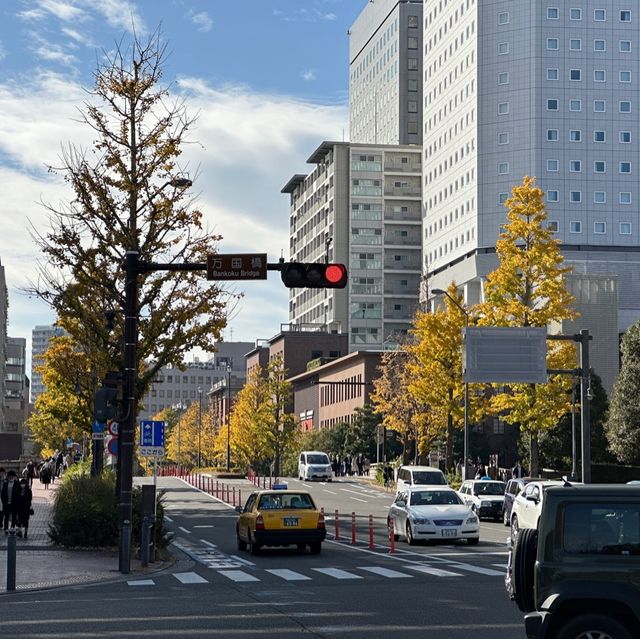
355 492
168 519
337 573
183 529
288 575
330 491
477 569
190 578
142 582
504 566
237 575
204 526
384 572
437 572
246 562
358 499
208 543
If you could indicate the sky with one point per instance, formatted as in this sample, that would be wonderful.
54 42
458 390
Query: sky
267 78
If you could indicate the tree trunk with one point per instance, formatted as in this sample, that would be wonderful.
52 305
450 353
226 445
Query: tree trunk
449 445
534 457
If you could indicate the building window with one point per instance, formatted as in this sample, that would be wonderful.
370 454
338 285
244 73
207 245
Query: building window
575 197
575 105
625 106
625 137
575 166
625 167
552 165
503 78
503 48
599 166
502 197
412 64
599 136
599 45
503 17
553 196
412 106
412 85
553 13
503 137
625 228
624 197
552 105
412 128
503 108
625 46
599 15
625 16
412 22
575 227
552 44
575 75
625 76
552 135
599 197
412 43
575 14
552 74
599 227
575 135
553 226
503 168
599 106
575 44
599 75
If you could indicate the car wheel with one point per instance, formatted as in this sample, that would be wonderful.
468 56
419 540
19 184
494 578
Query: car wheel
515 528
505 517
316 547
522 569
242 545
594 627
473 541
410 540
253 548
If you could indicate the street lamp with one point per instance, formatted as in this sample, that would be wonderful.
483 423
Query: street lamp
199 421
228 416
179 407
439 291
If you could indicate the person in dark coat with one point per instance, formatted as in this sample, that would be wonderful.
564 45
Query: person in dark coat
45 475
9 497
25 497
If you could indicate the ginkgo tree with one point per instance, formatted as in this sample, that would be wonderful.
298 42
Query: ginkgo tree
528 289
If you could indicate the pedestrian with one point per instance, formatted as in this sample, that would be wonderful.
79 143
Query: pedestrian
45 475
360 464
9 497
517 471
59 460
24 509
493 471
31 472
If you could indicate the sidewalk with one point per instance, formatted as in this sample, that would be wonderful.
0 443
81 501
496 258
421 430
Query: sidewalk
40 564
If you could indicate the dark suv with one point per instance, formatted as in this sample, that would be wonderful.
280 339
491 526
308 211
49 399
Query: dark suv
514 488
578 575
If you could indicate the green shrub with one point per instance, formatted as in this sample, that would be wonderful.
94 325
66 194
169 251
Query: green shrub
453 479
77 470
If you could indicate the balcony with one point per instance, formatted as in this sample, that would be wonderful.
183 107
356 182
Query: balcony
402 191
404 265
412 239
394 165
412 214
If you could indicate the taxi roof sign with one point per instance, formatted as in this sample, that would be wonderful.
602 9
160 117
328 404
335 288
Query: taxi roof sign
282 486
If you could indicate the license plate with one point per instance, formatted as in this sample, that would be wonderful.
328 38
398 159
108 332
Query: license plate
449 532
290 521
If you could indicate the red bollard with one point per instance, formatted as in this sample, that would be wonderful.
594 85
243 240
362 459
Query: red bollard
392 537
239 497
234 495
217 489
227 499
337 525
371 546
353 529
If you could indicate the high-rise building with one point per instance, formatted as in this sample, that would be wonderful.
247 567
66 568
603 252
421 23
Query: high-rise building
40 337
361 206
16 392
385 73
4 305
515 88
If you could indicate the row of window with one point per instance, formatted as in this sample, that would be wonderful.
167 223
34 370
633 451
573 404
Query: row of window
575 197
599 45
599 15
575 75
599 228
575 135
575 166
575 105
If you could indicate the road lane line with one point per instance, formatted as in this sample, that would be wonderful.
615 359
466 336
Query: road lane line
183 529
204 541
167 518
330 491
337 573
358 499
355 492
190 578
246 562
477 569
204 526
237 575
142 582
437 572
384 572
288 575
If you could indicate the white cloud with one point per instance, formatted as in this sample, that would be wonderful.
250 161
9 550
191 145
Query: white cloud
202 21
308 75
65 11
120 14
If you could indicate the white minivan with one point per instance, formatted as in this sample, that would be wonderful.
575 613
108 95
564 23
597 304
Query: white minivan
314 464
419 476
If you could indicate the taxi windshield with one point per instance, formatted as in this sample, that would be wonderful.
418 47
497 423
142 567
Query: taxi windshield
434 498
489 488
282 501
317 459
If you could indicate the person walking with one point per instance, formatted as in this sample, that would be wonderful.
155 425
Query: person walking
517 471
9 497
45 475
24 510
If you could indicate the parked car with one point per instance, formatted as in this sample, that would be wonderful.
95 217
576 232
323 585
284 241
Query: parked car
419 476
578 575
514 487
484 496
527 506
432 513
314 464
280 518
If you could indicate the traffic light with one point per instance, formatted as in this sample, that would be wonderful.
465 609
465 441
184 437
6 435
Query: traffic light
105 404
304 275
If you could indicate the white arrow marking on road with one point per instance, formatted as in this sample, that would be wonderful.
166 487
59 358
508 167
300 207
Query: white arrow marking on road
190 578
384 572
337 573
237 575
288 575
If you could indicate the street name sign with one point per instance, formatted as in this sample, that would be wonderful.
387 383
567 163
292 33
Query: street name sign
504 354
97 431
237 266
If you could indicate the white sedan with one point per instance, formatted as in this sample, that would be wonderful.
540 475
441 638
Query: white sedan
430 513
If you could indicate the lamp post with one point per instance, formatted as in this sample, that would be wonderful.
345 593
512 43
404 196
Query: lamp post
439 291
228 417
199 421
179 407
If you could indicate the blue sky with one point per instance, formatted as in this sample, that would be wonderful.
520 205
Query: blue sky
269 79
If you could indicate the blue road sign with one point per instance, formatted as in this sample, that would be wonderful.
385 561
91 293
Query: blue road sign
152 433
98 427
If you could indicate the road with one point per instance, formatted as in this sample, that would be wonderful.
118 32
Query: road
446 591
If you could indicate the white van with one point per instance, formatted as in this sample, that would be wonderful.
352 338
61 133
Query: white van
419 476
314 464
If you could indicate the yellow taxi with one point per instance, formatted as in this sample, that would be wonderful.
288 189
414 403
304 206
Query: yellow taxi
280 518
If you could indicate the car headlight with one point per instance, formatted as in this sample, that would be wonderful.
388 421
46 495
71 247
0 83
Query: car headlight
471 520
485 504
420 520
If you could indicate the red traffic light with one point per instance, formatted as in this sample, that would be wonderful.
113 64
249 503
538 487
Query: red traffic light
304 275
